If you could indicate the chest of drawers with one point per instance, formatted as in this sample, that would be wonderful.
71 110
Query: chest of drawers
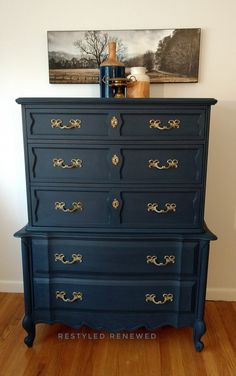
116 237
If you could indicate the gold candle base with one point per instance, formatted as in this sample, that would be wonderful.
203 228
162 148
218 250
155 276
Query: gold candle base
119 85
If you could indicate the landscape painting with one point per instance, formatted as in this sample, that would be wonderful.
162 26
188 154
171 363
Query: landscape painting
169 55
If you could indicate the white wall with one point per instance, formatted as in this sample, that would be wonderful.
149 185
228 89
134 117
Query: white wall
24 72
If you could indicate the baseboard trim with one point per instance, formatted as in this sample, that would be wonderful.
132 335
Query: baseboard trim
212 293
11 286
228 294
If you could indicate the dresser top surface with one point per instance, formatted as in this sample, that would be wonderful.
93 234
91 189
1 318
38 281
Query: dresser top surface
115 101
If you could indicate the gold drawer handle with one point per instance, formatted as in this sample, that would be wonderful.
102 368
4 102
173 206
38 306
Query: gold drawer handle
75 206
73 123
168 260
58 162
157 124
115 203
76 257
166 297
114 121
169 208
62 295
115 160
170 163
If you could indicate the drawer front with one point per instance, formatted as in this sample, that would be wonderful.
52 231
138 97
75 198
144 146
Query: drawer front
70 123
160 164
112 295
160 209
157 258
154 123
72 164
71 208
164 124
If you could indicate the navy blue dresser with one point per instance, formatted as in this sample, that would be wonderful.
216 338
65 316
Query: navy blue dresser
116 237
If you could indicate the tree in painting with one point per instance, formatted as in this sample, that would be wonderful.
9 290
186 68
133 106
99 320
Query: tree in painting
179 53
93 47
149 60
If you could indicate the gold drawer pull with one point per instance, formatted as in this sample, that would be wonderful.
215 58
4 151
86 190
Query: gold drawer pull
153 207
170 163
114 121
73 123
76 296
157 124
76 257
115 203
168 260
75 206
58 162
115 160
166 297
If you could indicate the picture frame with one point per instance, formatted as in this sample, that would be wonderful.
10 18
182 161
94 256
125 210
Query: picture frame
169 55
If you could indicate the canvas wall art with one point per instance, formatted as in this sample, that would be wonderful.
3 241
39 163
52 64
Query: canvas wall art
169 55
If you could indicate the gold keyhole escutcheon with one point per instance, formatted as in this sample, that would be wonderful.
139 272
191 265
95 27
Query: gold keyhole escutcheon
114 122
115 160
115 203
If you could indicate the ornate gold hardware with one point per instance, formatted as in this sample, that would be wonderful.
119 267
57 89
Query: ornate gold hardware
75 206
73 123
166 297
153 207
157 124
115 203
114 121
115 160
76 296
58 162
171 163
168 260
75 258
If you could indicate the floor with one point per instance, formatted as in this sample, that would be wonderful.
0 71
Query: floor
58 350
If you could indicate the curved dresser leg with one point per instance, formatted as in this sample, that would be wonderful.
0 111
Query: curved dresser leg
29 327
198 331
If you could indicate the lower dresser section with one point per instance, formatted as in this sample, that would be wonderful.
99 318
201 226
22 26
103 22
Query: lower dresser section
115 282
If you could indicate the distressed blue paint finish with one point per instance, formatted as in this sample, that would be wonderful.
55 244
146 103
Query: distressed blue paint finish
115 233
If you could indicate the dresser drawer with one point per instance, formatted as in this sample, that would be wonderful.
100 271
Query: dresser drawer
154 123
67 256
111 295
163 124
63 123
98 163
162 164
160 209
70 163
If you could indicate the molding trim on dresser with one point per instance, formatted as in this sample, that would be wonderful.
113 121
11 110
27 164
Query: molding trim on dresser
116 237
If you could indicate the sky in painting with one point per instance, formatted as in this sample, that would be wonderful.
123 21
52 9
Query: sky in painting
137 41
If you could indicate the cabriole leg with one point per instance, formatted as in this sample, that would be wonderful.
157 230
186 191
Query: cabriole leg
198 331
29 327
